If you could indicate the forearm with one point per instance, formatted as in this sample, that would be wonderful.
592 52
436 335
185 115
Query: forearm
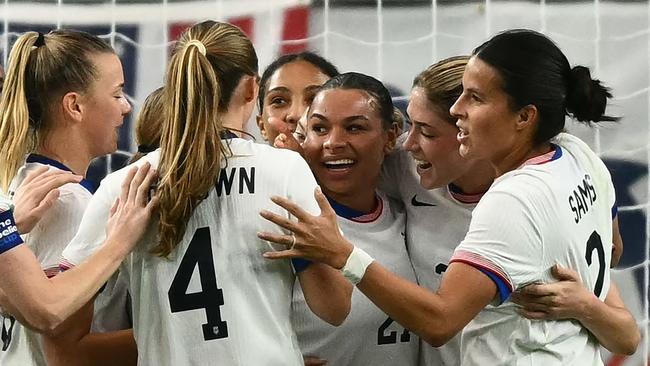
110 349
45 303
435 316
327 292
612 324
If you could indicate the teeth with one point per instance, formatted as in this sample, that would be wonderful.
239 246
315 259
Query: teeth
421 163
340 162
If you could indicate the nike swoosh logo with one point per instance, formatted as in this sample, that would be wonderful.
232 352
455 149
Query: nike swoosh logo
415 202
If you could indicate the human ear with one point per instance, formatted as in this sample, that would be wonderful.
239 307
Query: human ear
527 117
392 138
73 106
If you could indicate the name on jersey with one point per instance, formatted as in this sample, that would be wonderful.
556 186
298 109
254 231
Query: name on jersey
582 198
243 176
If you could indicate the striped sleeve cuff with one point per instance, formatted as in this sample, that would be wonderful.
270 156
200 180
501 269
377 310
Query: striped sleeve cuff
494 272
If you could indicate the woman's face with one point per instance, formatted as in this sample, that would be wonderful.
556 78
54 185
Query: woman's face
105 105
488 126
432 141
289 93
345 142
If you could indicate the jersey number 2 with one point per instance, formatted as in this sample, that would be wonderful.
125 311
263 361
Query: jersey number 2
596 243
199 253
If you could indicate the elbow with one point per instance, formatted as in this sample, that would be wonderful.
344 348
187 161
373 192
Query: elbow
437 337
44 320
336 316
629 347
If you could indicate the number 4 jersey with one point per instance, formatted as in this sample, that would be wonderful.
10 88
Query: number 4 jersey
215 300
556 208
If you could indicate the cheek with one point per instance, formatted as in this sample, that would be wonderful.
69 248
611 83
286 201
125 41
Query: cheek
312 148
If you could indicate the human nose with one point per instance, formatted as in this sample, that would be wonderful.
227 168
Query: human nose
335 139
410 144
457 109
126 106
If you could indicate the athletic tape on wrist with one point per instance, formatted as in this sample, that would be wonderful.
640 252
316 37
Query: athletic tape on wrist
9 236
356 265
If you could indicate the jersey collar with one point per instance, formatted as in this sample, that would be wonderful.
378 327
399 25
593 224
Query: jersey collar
354 215
36 158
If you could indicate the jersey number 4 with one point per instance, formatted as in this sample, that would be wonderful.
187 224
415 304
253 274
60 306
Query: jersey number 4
199 253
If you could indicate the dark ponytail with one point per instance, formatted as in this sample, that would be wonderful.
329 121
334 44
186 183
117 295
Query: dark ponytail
586 98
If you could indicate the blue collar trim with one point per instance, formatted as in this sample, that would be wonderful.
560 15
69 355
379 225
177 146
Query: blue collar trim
36 158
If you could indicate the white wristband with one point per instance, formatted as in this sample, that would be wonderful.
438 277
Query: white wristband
356 265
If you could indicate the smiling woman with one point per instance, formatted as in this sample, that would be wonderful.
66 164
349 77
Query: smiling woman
349 131
520 84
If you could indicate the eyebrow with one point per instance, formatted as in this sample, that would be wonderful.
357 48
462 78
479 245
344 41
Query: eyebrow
278 89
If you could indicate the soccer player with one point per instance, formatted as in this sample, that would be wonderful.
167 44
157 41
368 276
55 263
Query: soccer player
287 87
61 106
202 292
550 204
350 129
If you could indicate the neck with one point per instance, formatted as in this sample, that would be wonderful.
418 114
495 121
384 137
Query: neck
478 178
68 148
365 202
518 156
233 120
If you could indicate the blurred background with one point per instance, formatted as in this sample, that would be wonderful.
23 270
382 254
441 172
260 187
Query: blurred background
394 40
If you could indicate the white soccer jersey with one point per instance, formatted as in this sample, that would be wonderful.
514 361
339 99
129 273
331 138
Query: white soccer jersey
47 240
234 309
437 221
554 209
368 336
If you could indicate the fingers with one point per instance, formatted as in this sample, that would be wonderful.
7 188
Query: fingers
126 184
285 240
282 254
564 274
537 290
325 207
35 173
46 203
292 208
535 315
116 204
314 361
143 189
142 172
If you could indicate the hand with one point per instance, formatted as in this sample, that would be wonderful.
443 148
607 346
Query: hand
131 212
566 299
316 238
286 140
37 194
314 361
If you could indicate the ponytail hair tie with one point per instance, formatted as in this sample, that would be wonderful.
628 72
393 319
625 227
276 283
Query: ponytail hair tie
145 149
198 44
40 40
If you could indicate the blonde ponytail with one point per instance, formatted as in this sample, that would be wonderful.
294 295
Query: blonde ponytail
14 112
42 68
200 83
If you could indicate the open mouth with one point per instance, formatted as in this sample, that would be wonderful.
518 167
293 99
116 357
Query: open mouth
422 164
339 164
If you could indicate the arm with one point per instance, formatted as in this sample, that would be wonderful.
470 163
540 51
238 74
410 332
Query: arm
327 292
74 345
617 241
435 317
46 303
609 320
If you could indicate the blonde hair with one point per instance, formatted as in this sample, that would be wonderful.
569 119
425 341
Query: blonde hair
442 83
148 125
197 91
42 68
